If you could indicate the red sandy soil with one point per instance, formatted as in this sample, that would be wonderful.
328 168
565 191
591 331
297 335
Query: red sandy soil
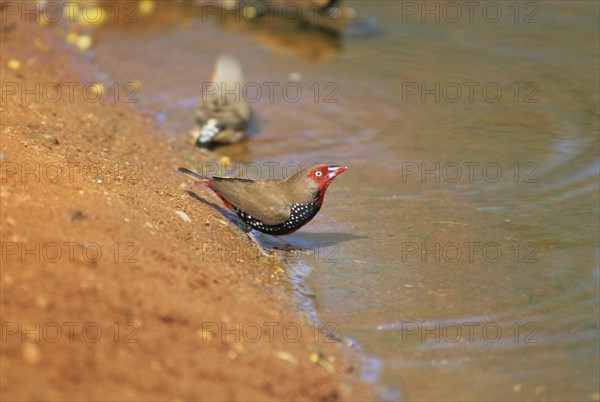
79 177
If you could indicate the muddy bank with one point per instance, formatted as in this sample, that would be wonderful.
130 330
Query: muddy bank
116 283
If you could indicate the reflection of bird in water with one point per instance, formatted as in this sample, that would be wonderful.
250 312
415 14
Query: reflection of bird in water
223 114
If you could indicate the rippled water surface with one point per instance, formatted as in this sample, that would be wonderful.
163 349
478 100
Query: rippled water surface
461 247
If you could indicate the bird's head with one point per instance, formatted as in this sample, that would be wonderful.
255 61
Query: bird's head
323 175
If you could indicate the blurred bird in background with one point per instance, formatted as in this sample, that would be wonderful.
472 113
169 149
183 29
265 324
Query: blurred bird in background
223 114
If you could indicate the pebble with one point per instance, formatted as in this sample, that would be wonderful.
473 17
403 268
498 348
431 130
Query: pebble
183 216
287 357
44 137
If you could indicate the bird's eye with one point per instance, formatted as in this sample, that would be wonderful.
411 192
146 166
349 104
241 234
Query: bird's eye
318 173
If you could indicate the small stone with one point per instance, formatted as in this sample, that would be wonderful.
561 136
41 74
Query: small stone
287 357
183 216
88 117
517 388
45 137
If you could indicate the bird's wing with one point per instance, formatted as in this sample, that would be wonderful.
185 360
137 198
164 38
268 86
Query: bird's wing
191 173
263 200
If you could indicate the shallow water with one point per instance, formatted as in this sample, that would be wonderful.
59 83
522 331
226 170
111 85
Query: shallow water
461 247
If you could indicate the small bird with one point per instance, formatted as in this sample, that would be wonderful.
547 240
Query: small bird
223 115
275 207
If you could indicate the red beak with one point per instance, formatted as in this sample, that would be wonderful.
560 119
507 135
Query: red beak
335 171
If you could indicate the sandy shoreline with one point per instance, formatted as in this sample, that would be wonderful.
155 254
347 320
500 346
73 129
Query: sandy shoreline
108 291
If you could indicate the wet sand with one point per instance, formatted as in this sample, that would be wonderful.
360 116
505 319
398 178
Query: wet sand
116 281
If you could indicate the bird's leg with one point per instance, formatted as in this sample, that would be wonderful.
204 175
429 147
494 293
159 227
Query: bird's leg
287 245
255 241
